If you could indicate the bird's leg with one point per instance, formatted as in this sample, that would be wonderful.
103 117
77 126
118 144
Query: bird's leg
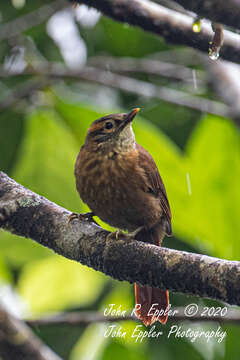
116 234
87 216
132 234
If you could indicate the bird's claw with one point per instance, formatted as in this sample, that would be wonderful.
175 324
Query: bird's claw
72 217
87 217
116 234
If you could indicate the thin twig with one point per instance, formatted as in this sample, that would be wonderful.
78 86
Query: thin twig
34 18
148 66
141 88
78 318
22 91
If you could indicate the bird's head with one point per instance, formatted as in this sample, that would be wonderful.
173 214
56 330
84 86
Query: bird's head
112 132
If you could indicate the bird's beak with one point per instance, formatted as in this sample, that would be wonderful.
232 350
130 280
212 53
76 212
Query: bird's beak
130 116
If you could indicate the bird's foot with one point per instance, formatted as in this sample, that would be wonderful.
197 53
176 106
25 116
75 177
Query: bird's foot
116 234
132 234
87 217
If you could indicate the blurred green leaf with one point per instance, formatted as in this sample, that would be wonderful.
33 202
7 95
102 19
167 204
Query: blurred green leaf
211 348
77 117
109 36
5 273
47 159
61 338
171 347
46 162
55 283
232 342
175 121
11 132
121 295
214 175
118 351
18 250
91 344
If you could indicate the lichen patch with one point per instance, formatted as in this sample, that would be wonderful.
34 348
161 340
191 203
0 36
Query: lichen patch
28 201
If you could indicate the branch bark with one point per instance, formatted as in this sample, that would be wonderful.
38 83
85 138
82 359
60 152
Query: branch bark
174 27
25 213
224 12
17 341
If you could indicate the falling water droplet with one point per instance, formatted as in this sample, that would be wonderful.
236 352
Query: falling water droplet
217 41
189 184
213 51
214 55
194 79
196 26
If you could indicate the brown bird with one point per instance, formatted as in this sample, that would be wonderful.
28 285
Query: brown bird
119 181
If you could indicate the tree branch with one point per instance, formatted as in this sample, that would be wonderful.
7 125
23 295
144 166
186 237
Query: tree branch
17 341
25 213
224 12
174 27
147 66
124 83
88 317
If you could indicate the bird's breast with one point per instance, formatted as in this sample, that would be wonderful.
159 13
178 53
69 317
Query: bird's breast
113 188
104 176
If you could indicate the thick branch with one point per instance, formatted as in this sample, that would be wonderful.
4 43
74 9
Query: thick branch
17 341
27 214
174 27
222 11
88 317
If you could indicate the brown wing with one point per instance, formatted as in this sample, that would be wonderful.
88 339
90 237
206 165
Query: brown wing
156 185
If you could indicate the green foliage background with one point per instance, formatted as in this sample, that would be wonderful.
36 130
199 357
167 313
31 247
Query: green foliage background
198 157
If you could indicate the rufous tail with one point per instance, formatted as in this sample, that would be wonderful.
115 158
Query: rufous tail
152 304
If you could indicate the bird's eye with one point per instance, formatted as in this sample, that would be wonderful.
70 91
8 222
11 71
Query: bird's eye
108 125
